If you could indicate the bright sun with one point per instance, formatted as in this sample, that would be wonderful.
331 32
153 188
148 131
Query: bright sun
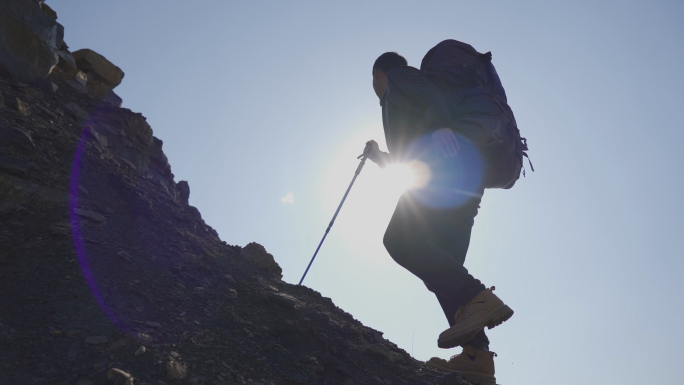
399 177
403 176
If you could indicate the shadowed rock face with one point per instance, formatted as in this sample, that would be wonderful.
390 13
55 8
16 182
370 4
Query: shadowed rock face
29 39
108 275
32 50
104 266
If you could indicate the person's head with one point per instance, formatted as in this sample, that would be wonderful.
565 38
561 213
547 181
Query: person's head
383 64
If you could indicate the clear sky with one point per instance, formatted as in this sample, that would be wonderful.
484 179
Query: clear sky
257 101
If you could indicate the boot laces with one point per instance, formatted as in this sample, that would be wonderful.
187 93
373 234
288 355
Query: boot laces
463 310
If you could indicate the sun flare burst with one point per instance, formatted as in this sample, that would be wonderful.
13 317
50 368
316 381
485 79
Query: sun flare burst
404 176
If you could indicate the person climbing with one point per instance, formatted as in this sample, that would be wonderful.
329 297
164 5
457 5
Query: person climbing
429 232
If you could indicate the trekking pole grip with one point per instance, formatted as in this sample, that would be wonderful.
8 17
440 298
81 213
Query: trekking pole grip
366 151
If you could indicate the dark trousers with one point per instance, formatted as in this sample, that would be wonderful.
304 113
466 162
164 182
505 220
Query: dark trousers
431 243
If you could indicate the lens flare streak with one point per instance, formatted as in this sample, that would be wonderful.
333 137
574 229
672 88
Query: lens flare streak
76 232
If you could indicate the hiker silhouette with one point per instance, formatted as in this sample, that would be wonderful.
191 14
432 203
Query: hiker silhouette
429 232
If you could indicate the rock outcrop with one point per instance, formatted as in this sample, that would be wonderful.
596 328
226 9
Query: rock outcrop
109 276
32 50
102 75
29 39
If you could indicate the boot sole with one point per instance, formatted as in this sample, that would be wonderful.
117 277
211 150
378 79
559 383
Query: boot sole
457 338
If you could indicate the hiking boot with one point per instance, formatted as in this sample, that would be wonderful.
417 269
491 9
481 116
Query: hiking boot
486 309
476 366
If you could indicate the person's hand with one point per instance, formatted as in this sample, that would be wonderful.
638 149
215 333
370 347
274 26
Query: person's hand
445 143
373 152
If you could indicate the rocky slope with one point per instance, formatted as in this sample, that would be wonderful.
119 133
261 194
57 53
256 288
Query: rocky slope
107 274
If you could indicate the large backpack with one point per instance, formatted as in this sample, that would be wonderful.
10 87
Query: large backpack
479 108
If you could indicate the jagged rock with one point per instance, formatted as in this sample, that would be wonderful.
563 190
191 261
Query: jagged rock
97 340
283 300
92 62
25 192
119 377
262 259
66 68
103 75
183 191
49 11
175 370
129 137
232 293
62 228
15 141
76 85
29 40
123 254
14 166
7 208
67 62
382 353
122 342
90 215
112 99
100 138
76 110
22 107
81 78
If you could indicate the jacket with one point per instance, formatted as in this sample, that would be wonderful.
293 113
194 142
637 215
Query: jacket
412 106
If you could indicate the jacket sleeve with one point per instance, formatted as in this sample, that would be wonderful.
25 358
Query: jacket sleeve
418 93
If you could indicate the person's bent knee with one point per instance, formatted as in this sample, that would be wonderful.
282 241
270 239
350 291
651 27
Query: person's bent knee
389 242
397 247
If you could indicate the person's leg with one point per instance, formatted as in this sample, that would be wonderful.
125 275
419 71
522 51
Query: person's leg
478 307
429 235
453 235
451 231
480 341
431 244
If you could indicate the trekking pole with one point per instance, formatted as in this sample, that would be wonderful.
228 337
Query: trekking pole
363 157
